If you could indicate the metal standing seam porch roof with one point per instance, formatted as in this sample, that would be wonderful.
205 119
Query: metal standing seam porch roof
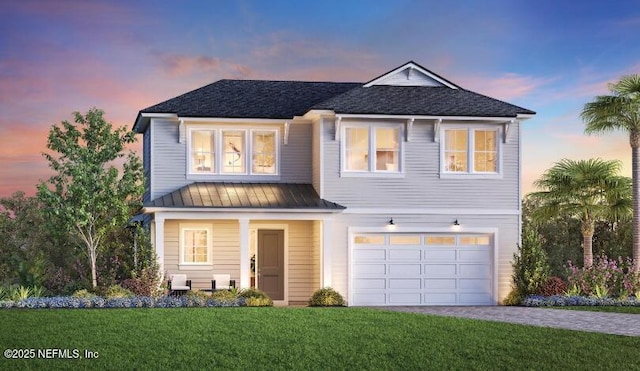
229 195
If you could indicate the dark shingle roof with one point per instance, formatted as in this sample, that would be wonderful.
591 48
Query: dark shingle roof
245 196
251 99
419 100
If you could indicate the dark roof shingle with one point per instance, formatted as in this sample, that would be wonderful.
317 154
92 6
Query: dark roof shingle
419 100
251 99
245 196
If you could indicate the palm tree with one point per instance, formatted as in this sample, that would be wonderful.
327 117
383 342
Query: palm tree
621 111
588 190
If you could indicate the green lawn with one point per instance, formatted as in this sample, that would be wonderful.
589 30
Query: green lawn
632 310
300 339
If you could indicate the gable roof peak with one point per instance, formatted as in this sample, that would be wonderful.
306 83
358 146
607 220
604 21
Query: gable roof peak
411 74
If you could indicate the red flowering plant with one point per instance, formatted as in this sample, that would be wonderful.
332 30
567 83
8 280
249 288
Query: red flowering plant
606 277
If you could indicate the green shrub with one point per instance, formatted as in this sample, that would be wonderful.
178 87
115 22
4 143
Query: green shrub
255 297
197 294
530 264
514 297
252 293
574 290
117 291
258 302
20 293
84 294
326 297
224 295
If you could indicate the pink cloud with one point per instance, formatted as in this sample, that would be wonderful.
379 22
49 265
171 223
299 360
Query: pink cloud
177 65
507 86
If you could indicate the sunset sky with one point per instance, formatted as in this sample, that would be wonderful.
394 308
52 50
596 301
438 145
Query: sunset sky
549 56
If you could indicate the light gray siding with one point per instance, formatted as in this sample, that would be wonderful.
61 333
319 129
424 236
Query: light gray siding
295 157
316 156
146 163
421 186
167 161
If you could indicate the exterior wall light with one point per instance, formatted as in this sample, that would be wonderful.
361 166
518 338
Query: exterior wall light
455 226
391 225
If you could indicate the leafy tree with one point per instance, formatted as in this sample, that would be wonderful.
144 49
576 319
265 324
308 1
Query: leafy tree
23 242
88 194
560 235
588 190
530 265
621 111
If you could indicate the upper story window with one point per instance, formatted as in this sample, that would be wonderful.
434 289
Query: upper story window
232 151
470 150
372 148
203 151
263 152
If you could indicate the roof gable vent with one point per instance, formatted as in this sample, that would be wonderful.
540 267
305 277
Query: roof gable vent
411 74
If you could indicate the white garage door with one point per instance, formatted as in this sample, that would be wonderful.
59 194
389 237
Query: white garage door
421 269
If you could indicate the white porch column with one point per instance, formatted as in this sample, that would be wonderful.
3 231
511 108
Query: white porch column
157 231
326 252
244 253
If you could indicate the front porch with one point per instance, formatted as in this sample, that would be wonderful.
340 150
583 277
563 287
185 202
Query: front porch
291 258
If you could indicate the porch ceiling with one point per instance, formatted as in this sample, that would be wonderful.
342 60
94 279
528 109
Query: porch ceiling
245 195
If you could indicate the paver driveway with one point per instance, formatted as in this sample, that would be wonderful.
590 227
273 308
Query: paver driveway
609 323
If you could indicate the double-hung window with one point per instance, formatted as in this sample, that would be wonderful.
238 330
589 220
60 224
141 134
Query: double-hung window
221 151
195 244
470 150
370 148
203 151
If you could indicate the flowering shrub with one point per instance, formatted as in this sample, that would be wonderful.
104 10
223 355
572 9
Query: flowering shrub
70 302
606 277
558 300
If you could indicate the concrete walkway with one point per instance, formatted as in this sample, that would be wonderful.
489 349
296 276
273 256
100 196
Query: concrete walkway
608 323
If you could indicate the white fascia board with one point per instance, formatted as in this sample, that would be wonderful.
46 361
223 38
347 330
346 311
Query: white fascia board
498 120
217 213
144 118
415 67
316 114
235 120
159 115
522 116
430 211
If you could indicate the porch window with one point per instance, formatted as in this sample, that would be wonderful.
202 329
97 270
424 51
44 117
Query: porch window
195 245
374 148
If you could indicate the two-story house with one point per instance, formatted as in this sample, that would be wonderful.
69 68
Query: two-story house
404 190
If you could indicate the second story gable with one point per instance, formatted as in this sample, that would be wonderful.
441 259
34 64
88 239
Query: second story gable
408 131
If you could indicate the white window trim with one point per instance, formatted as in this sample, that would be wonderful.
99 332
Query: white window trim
276 134
218 151
371 126
471 174
196 227
222 152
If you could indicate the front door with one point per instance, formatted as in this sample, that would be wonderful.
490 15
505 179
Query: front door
271 263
